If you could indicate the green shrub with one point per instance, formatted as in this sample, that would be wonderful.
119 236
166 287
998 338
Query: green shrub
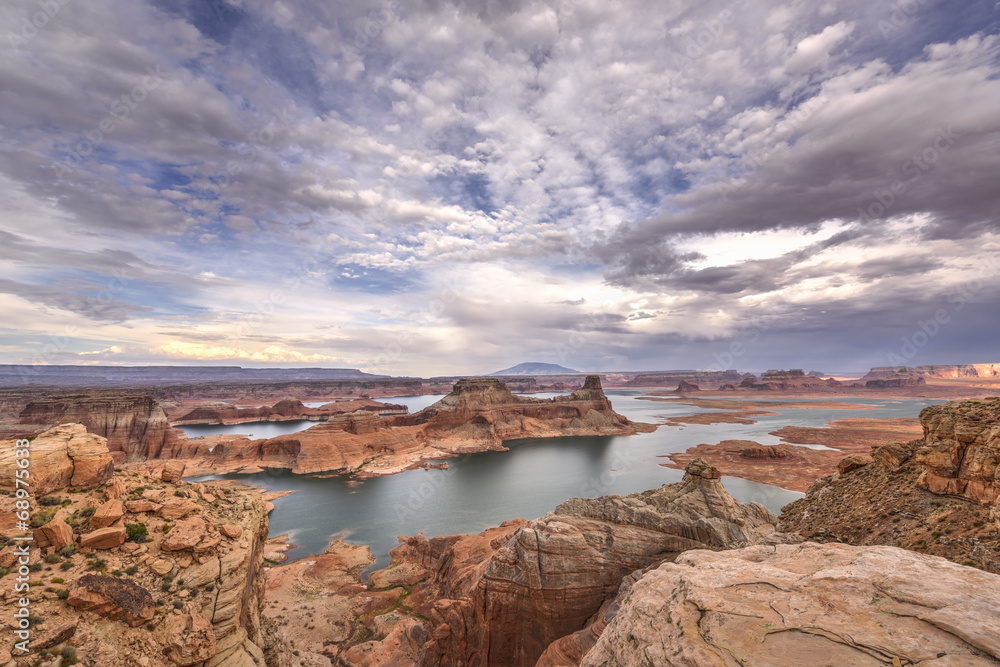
97 564
136 532
87 511
4 571
66 565
62 594
34 567
52 558
180 494
131 569
68 655
178 604
68 550
42 517
57 580
49 501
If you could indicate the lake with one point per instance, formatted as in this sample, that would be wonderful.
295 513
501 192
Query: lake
484 489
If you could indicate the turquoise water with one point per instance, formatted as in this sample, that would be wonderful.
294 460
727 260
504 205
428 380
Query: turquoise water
483 489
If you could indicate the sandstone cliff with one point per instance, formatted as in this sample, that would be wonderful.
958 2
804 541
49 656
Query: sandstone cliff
218 412
937 371
802 605
134 424
503 596
961 449
889 500
478 415
143 572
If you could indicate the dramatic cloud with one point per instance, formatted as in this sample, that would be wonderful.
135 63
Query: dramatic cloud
461 185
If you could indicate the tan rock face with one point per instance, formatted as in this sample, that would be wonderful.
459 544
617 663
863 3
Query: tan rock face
185 534
107 514
63 456
189 638
852 462
504 596
140 506
231 531
161 567
115 489
135 425
961 449
56 533
178 508
172 472
112 597
104 538
788 605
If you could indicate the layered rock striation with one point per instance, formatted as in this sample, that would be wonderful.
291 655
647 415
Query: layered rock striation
63 456
479 414
504 596
961 449
218 412
134 424
796 604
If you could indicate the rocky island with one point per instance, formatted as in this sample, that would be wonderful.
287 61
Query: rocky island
479 414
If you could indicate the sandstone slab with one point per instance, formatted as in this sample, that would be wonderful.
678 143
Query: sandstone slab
113 598
107 514
104 538
773 606
172 471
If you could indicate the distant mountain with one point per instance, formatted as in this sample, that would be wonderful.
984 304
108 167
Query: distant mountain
535 368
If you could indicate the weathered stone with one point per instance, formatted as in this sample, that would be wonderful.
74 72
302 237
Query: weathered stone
113 598
60 635
161 567
231 531
172 471
189 638
185 534
140 506
961 449
107 514
59 457
104 538
56 533
773 606
115 489
178 508
852 462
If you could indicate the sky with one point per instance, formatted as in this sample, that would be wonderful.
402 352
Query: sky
457 186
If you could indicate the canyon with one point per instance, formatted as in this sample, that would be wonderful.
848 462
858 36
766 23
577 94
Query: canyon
899 535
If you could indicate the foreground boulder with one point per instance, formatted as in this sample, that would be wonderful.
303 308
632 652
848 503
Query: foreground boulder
112 597
791 605
63 456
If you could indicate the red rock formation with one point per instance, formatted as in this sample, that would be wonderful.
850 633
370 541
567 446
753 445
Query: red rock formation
112 597
502 597
134 424
478 415
684 387
218 412
961 449
63 456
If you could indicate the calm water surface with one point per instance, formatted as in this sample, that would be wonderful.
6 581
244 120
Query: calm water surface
484 489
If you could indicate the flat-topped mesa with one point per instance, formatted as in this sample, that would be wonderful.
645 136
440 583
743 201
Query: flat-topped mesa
476 394
961 449
935 371
358 423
